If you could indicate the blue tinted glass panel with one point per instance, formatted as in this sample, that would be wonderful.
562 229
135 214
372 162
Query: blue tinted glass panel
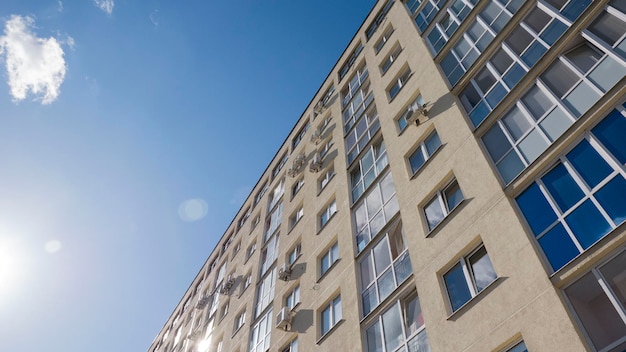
534 52
589 164
558 247
611 132
479 113
496 95
553 32
575 8
514 75
458 291
562 187
612 197
536 209
587 224
416 160
432 144
510 167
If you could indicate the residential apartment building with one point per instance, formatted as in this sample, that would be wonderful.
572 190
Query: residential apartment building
458 183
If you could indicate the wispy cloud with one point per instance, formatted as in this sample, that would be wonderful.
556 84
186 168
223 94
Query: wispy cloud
105 5
154 18
33 64
60 6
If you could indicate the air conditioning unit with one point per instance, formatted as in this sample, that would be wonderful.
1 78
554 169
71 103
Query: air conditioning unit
227 285
202 302
316 136
316 163
283 319
284 273
415 111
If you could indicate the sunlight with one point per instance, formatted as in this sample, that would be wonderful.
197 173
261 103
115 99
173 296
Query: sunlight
11 265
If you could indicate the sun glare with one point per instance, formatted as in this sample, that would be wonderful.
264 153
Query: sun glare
11 266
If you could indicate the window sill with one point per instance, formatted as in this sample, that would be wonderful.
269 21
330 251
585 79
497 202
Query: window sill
333 328
236 331
446 219
327 271
474 300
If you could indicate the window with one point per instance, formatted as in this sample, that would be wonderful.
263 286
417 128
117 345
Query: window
276 194
272 224
265 292
269 254
448 24
330 210
247 282
295 217
326 149
293 298
390 59
298 138
477 37
260 193
362 132
442 204
399 83
400 325
294 254
329 258
236 249
356 97
427 12
369 166
250 250
331 315
227 243
325 179
297 186
598 300
240 319
255 221
580 200
291 347
350 61
383 39
261 333
424 151
375 210
224 310
519 347
244 217
380 17
280 165
383 268
468 277
401 121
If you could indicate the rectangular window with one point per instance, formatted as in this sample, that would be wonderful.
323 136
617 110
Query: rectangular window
369 166
468 277
330 210
399 83
246 282
260 193
269 254
240 319
295 217
297 186
599 298
224 310
399 328
580 200
326 149
442 204
424 151
244 217
265 292
330 316
477 37
362 132
280 165
383 268
273 221
427 12
325 179
298 138
350 61
441 32
291 347
261 333
375 210
250 250
294 254
276 194
380 17
383 39
390 59
293 298
329 258
519 347
356 97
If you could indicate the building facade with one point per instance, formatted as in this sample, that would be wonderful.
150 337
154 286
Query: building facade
458 183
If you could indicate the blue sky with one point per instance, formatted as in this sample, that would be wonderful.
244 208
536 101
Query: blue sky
125 153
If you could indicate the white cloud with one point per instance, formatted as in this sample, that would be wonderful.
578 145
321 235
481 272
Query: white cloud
60 6
154 18
33 64
105 5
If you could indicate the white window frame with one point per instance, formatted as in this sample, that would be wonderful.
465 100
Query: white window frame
380 43
423 150
329 258
328 212
390 59
399 82
325 179
440 198
335 315
292 299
